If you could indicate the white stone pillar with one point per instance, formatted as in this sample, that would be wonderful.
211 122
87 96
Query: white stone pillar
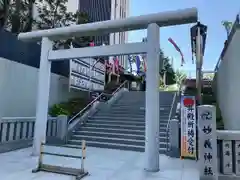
42 96
152 100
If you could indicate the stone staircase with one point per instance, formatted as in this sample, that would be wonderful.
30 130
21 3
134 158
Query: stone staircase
122 126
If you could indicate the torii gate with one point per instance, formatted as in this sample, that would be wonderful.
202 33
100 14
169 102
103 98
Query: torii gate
152 22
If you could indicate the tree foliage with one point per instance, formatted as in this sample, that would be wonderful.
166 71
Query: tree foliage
19 15
208 76
53 14
4 6
164 68
228 26
180 76
78 42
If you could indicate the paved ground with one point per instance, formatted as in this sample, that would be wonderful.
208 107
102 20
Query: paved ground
102 164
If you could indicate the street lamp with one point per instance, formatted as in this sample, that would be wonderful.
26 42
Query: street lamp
198 42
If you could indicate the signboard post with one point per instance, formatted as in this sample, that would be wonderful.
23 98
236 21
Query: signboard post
207 142
188 127
83 76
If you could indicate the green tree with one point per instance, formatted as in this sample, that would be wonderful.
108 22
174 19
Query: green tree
78 42
166 70
51 14
4 7
208 76
54 14
228 26
29 20
180 76
19 16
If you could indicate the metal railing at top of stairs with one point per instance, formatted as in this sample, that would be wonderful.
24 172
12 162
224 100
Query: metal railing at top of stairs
170 114
93 101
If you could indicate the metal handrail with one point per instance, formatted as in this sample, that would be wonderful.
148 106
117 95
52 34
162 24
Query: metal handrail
86 107
170 114
93 101
121 85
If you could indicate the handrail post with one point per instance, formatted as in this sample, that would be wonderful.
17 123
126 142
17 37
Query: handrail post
169 120
62 128
170 128
174 138
83 155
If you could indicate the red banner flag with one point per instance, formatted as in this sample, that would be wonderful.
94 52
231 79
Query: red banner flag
92 44
178 49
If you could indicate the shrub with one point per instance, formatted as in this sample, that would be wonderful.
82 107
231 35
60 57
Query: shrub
58 109
70 108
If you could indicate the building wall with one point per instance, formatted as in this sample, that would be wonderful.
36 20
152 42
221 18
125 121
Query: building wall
27 53
97 10
227 83
120 10
18 89
101 10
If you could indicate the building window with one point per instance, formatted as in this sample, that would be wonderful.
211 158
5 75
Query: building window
119 41
124 14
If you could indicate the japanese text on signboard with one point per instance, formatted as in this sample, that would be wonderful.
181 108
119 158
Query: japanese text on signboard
208 142
188 124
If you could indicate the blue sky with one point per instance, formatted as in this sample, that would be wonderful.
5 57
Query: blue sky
211 13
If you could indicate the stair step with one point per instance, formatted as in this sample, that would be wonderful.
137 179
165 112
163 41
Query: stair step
111 135
109 140
129 127
138 104
116 130
121 126
81 134
117 116
132 111
111 145
105 121
163 119
127 103
137 110
126 114
142 108
122 113
120 123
